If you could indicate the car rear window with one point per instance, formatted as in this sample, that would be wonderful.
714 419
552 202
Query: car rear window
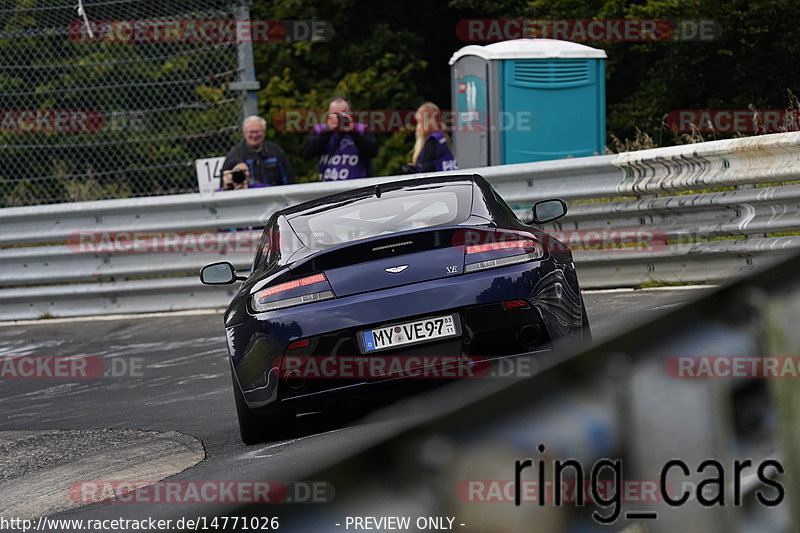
395 211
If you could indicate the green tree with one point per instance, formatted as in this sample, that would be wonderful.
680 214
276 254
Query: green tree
383 56
749 63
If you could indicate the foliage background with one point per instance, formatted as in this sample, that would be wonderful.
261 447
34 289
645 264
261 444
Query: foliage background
167 104
164 104
394 55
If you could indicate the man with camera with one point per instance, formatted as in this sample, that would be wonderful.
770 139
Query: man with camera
345 148
236 178
255 162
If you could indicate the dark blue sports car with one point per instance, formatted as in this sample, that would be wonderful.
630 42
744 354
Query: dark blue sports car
354 293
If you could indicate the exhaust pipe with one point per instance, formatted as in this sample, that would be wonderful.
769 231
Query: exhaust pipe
295 381
529 335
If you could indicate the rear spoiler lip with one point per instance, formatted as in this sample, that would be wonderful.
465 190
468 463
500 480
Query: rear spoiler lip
295 262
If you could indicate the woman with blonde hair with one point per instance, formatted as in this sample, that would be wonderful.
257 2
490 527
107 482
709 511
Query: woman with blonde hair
431 151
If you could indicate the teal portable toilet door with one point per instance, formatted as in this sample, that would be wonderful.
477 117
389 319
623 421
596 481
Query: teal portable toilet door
544 99
470 104
552 108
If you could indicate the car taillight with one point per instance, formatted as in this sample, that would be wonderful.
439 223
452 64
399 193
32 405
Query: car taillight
501 253
504 245
297 292
516 304
305 343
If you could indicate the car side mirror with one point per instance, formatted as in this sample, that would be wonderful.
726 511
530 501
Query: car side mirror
548 210
218 274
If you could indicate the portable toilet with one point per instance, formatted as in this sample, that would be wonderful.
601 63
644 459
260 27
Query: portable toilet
527 100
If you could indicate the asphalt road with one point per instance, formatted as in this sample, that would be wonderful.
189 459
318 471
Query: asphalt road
167 377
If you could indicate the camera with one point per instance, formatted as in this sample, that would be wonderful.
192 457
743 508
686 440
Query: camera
239 176
344 120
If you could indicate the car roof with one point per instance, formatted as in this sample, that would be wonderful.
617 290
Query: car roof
364 192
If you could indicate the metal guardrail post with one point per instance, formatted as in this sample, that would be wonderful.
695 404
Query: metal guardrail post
247 83
783 340
671 417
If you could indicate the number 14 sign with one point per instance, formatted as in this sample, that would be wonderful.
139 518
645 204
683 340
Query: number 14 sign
209 171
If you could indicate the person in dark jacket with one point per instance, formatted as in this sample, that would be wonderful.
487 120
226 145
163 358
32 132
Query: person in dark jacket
266 162
431 151
345 148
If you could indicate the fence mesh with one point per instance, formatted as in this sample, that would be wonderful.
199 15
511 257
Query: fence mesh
116 114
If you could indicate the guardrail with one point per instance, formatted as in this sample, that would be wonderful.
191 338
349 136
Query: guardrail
47 269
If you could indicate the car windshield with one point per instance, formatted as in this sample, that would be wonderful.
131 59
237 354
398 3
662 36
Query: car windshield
395 211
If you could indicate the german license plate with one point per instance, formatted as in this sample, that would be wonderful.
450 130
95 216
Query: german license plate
439 327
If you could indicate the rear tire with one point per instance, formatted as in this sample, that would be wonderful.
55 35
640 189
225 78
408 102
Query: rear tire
255 428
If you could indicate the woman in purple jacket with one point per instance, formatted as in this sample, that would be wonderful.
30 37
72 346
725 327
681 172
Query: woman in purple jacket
431 151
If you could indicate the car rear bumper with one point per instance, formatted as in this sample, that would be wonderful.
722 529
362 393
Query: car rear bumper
258 344
338 393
